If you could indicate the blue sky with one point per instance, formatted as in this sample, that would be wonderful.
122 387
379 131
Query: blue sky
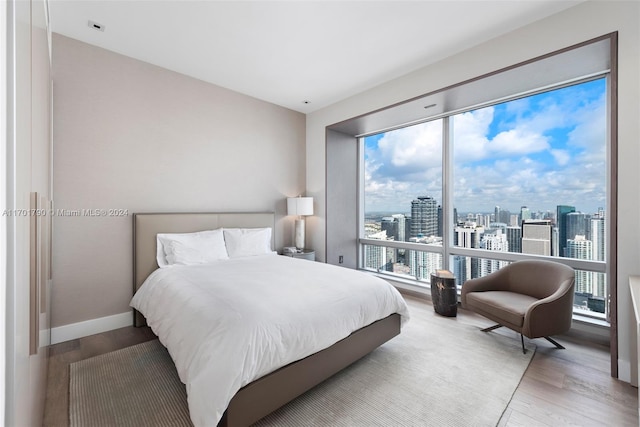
540 151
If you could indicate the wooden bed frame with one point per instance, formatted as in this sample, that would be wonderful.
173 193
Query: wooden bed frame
266 394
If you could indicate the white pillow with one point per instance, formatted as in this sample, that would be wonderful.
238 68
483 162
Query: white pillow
201 247
243 242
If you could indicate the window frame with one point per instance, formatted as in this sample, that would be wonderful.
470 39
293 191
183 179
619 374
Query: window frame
448 250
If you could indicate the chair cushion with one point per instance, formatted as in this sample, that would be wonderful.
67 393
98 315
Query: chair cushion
509 306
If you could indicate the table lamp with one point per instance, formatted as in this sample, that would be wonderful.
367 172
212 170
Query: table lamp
300 206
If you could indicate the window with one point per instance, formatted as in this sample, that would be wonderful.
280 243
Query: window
394 161
527 177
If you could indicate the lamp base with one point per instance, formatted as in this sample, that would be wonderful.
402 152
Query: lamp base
299 234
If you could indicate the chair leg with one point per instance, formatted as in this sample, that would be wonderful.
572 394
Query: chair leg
491 328
554 342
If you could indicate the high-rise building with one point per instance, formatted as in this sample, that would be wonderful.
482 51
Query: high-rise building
550 215
407 228
561 222
461 269
525 214
390 225
483 220
402 221
514 238
421 263
494 241
537 237
424 217
378 257
505 216
598 238
598 235
501 215
578 224
555 251
467 236
581 248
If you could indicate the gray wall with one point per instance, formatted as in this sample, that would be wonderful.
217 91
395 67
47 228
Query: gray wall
130 135
342 187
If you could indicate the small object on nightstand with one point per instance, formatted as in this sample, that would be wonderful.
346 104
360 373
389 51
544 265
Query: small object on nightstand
289 250
308 254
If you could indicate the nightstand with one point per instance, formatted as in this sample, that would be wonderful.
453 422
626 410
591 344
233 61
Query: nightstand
308 254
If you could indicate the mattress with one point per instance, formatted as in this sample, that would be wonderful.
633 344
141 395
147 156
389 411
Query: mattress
228 323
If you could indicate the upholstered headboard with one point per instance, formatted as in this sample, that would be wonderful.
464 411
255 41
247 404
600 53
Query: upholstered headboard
147 225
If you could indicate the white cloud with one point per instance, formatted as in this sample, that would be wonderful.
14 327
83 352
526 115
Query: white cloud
590 126
517 142
514 183
417 145
469 134
562 157
523 164
471 142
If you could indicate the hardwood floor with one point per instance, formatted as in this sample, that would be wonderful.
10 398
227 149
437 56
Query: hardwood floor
572 387
560 387
56 409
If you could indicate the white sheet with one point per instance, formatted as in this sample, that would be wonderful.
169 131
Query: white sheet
228 323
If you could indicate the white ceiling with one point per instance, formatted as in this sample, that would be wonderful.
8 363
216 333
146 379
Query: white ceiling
289 52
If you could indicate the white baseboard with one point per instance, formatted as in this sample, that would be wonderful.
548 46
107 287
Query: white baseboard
624 371
90 327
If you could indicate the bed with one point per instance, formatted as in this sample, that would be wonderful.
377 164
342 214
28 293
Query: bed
259 387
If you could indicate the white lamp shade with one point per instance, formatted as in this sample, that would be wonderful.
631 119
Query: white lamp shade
300 206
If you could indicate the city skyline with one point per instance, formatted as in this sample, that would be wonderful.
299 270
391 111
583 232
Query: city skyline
533 210
566 233
548 148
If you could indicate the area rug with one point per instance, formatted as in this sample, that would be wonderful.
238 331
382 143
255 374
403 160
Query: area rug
438 372
135 386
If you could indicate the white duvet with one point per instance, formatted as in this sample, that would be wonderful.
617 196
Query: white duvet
228 323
